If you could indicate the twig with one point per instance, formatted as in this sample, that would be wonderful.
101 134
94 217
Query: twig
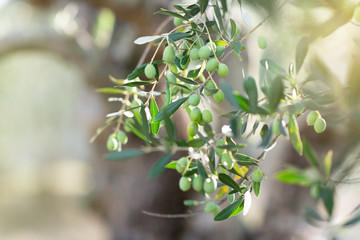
262 22
148 46
159 215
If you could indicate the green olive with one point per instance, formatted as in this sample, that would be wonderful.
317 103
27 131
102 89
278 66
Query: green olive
212 46
320 125
219 96
204 52
194 54
210 207
178 21
227 161
121 137
195 114
211 64
173 68
171 78
223 70
276 128
175 90
210 185
185 183
219 143
169 55
198 42
210 88
197 183
194 99
191 129
150 71
231 197
207 116
112 144
219 50
181 164
262 43
312 117
257 176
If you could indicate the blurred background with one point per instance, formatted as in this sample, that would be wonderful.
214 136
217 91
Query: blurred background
55 185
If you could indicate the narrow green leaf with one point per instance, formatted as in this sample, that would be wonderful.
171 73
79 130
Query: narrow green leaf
294 176
201 169
145 129
136 83
328 163
153 111
171 165
218 17
243 102
203 5
169 126
175 36
233 28
170 13
231 147
193 9
197 142
186 80
276 93
251 90
111 90
301 52
295 134
124 154
256 188
224 6
137 130
229 210
273 67
229 95
169 109
159 166
187 14
236 45
310 154
243 159
327 195
352 221
234 126
227 180
212 163
177 62
146 39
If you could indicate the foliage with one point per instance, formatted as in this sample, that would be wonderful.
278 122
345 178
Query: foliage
204 35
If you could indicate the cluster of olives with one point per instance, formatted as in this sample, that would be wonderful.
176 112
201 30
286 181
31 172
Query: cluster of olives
209 52
115 140
314 119
198 183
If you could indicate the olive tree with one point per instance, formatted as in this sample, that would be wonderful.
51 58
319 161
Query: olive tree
187 73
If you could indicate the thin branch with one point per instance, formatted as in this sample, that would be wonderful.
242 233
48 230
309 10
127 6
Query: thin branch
148 46
159 215
262 22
